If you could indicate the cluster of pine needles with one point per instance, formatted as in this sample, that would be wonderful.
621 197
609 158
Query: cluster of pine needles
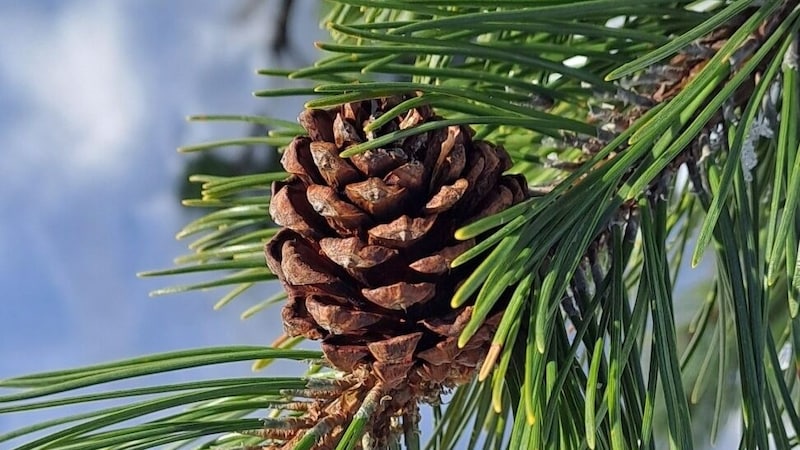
646 129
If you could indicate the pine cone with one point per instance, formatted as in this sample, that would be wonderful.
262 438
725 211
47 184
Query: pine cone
367 243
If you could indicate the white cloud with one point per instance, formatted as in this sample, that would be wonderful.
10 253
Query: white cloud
81 101
91 98
72 114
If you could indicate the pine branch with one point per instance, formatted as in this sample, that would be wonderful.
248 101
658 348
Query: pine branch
642 128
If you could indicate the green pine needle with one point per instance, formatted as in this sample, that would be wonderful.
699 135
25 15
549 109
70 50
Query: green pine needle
592 350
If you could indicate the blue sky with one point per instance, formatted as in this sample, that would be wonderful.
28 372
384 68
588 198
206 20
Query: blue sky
93 96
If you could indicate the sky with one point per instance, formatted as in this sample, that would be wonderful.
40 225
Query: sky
93 97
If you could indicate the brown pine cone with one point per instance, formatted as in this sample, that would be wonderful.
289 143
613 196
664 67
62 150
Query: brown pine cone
367 243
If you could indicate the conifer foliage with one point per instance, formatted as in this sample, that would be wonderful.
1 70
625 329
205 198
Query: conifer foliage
483 218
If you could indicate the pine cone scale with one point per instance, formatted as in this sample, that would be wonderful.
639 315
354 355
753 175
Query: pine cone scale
402 232
352 254
375 196
400 296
